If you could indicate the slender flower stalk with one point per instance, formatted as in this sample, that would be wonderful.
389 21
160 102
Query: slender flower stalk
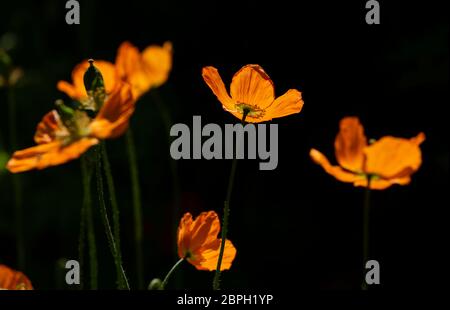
226 214
167 122
17 186
122 280
166 279
81 244
144 71
112 197
366 231
89 219
137 207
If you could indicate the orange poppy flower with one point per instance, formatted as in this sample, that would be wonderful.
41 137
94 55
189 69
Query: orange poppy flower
13 280
77 90
59 141
198 242
144 70
387 161
253 91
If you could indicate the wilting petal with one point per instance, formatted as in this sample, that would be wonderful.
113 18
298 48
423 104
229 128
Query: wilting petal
289 103
252 86
157 61
113 118
46 155
49 128
336 171
392 158
350 143
212 78
77 90
13 280
209 257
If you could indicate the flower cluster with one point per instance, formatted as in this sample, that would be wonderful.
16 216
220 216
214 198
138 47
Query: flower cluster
103 97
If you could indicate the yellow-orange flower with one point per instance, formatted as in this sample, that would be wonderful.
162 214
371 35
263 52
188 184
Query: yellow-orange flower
59 142
13 280
145 70
252 91
387 161
198 242
77 90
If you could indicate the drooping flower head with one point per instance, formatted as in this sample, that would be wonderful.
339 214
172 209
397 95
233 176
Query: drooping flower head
198 242
13 280
66 132
145 70
252 91
387 161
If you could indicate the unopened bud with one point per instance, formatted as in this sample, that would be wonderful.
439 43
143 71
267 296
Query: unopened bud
155 284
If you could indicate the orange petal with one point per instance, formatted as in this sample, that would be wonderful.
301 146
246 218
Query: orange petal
130 68
113 118
204 230
252 86
336 171
49 128
46 155
212 78
184 235
70 90
127 60
208 258
13 280
392 158
289 103
77 90
418 139
380 184
350 143
157 61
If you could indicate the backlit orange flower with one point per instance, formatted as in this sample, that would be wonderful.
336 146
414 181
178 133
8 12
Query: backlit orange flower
77 90
144 70
387 161
13 280
253 91
198 242
60 141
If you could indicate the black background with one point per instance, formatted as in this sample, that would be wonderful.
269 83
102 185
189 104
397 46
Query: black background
293 227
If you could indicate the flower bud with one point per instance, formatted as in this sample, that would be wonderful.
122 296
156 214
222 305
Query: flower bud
155 284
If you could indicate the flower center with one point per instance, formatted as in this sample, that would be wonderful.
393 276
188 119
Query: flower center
252 111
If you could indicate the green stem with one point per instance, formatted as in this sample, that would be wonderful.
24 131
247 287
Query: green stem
122 280
88 217
166 279
366 223
81 244
226 213
137 208
112 198
17 186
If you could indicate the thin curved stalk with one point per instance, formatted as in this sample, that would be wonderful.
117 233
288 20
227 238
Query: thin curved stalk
122 280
